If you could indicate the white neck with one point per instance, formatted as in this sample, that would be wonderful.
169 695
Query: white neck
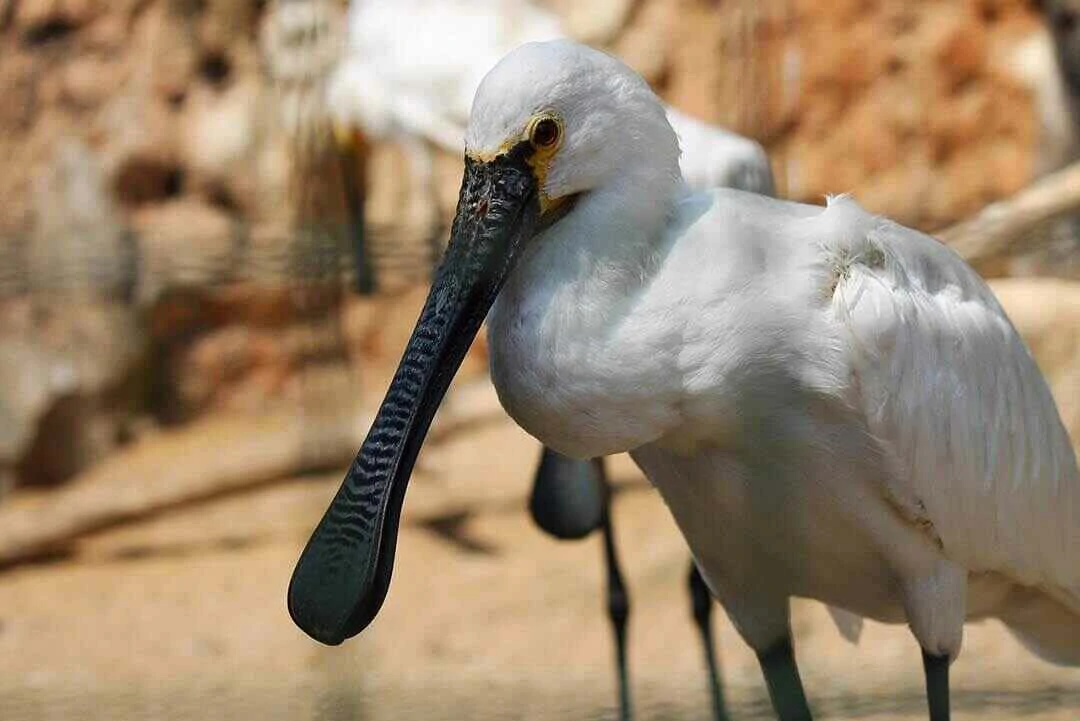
551 329
608 245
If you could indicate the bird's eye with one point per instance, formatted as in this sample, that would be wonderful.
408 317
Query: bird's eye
545 133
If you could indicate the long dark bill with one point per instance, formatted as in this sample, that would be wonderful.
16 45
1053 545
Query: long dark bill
344 572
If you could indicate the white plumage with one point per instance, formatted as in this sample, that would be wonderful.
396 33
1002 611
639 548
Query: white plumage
411 69
832 405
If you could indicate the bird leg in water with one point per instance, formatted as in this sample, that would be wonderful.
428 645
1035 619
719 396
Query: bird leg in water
937 685
618 605
571 499
353 150
785 686
701 603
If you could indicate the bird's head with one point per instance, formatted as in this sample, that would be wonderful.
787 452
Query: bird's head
576 117
550 123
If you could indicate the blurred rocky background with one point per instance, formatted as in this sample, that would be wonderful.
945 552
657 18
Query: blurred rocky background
165 162
184 369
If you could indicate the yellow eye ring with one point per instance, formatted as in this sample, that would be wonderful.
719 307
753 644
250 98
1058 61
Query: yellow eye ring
545 132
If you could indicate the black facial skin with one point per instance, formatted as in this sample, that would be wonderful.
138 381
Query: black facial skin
343 574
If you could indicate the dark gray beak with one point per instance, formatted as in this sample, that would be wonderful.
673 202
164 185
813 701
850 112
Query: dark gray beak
344 572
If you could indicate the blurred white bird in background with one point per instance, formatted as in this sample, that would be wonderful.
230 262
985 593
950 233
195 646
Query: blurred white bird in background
411 68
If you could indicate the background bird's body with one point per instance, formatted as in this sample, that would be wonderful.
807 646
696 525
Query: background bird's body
820 396
412 67
713 157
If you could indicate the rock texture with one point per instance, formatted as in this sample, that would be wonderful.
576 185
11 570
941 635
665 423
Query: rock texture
169 172
916 106
69 342
158 244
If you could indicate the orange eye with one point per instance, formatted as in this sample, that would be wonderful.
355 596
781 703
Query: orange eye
545 133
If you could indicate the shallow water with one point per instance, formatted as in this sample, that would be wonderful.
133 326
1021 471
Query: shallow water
338 701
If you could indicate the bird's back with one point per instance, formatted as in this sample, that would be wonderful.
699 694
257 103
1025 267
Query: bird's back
980 456
429 55
713 157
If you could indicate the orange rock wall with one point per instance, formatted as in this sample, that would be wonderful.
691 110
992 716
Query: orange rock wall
908 103
913 105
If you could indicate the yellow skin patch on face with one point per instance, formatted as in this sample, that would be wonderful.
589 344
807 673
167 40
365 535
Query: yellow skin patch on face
539 161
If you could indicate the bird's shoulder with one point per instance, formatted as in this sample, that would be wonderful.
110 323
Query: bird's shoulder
825 245
708 215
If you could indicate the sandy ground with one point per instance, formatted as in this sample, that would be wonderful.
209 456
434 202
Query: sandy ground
183 617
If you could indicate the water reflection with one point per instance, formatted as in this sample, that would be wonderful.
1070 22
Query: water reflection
338 700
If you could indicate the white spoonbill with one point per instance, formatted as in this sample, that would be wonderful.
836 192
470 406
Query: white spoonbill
833 406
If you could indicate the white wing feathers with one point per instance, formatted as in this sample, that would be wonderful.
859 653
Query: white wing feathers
948 386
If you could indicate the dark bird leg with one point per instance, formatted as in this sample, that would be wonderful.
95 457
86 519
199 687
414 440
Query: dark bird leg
570 500
937 685
701 601
785 686
618 605
352 154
